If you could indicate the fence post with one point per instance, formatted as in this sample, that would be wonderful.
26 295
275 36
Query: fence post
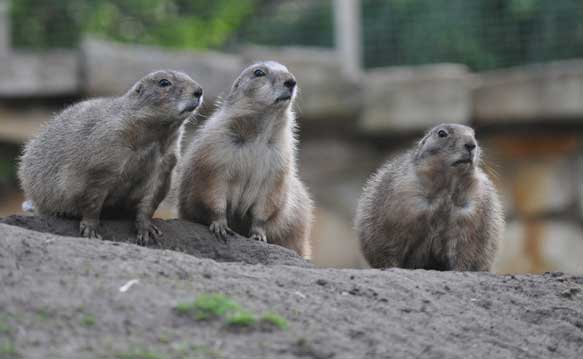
348 35
4 27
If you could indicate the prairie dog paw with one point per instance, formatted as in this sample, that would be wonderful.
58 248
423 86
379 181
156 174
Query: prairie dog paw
220 229
258 235
88 230
148 233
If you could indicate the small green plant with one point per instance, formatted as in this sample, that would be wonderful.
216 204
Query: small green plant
206 351
189 350
164 339
8 350
5 328
43 314
241 318
274 319
138 354
88 320
208 306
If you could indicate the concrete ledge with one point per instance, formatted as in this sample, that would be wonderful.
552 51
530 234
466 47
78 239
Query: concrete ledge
548 92
17 126
413 98
49 74
113 68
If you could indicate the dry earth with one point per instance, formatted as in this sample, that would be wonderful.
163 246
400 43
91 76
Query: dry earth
63 297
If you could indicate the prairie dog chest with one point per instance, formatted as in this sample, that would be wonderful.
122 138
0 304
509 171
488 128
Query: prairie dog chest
253 161
449 221
251 170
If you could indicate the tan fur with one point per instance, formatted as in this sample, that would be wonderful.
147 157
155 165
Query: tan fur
239 173
432 207
111 156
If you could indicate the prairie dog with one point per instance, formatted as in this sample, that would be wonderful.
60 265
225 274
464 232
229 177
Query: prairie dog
432 207
239 172
110 156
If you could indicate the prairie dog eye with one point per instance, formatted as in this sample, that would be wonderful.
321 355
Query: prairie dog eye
259 73
164 83
442 133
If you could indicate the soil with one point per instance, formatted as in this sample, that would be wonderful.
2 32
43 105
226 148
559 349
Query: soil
65 297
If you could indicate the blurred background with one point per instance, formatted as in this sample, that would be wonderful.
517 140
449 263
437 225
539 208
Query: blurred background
374 75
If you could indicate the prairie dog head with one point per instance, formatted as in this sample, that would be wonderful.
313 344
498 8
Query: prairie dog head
263 86
448 147
169 95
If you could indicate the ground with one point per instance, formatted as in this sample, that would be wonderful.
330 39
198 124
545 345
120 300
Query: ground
65 297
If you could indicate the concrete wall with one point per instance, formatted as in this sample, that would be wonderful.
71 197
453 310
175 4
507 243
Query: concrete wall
111 69
382 101
411 99
55 73
24 74
4 27
548 92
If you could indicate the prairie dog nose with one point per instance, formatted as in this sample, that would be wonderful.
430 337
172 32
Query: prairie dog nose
290 84
470 146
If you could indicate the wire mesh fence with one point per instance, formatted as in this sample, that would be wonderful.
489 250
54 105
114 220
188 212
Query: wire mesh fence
483 34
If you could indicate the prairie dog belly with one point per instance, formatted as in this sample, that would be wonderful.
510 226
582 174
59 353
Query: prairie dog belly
250 170
132 183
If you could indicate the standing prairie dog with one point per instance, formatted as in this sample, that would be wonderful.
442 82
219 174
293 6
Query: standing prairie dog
240 172
432 207
111 156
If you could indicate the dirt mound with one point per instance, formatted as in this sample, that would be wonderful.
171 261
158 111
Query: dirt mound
65 297
179 235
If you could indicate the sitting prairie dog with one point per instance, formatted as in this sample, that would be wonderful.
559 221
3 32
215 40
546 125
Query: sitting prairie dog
432 207
110 156
239 173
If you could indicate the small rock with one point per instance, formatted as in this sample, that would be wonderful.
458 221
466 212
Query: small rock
321 282
354 291
300 294
569 293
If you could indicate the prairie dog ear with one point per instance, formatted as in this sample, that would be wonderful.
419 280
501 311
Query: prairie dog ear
138 88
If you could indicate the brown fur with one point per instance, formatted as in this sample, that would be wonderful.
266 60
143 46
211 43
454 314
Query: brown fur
112 156
239 173
432 207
